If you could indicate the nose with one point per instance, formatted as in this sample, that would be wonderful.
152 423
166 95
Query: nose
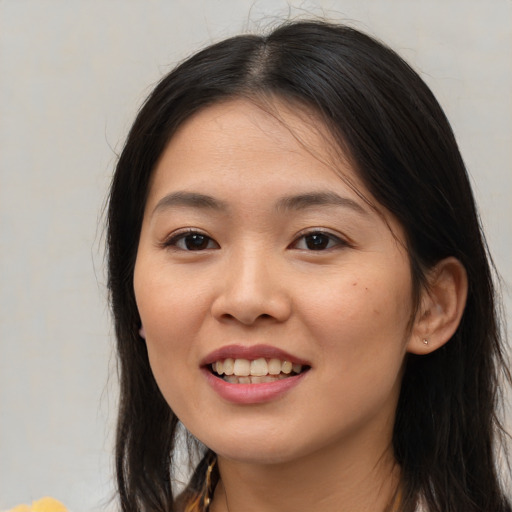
252 290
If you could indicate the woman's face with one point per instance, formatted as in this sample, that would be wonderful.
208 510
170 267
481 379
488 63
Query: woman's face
255 254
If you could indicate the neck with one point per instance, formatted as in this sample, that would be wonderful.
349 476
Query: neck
337 481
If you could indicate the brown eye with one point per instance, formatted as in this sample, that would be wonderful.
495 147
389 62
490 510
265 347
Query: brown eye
318 241
196 242
192 241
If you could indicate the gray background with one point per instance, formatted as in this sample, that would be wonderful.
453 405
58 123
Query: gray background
72 75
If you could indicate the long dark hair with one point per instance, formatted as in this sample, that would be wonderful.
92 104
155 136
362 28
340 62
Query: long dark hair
397 137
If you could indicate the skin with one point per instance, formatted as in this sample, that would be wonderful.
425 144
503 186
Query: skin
345 309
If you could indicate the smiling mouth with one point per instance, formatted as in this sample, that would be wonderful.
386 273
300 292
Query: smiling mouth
256 371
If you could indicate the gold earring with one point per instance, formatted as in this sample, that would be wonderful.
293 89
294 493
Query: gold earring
200 502
425 341
208 484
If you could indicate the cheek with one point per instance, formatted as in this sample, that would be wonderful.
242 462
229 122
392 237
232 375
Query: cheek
168 306
170 311
361 332
363 320
171 327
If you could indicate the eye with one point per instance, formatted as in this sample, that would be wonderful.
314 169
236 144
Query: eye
318 241
191 241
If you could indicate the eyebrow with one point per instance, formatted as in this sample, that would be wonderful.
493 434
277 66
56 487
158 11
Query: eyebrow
313 199
191 200
287 203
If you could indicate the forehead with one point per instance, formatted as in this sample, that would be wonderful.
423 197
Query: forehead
286 124
249 142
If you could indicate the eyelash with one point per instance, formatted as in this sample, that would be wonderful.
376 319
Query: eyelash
173 241
332 241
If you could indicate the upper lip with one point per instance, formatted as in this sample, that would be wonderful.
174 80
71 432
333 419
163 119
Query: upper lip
251 352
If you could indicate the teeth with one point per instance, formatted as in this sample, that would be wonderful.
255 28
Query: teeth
229 366
242 367
244 371
274 367
261 380
233 379
259 367
297 368
286 367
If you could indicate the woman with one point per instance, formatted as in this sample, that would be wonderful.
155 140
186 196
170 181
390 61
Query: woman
298 277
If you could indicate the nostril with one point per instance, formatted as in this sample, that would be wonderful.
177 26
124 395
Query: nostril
245 318
247 304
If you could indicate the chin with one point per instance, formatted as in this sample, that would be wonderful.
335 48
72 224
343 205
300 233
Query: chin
258 448
258 456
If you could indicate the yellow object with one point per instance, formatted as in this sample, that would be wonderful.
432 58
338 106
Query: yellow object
46 504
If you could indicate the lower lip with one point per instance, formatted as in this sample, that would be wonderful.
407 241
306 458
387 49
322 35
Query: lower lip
252 393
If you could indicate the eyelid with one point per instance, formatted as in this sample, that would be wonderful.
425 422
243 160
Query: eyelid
170 241
341 241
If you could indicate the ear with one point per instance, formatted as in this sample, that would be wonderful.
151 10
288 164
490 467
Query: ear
442 303
142 333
